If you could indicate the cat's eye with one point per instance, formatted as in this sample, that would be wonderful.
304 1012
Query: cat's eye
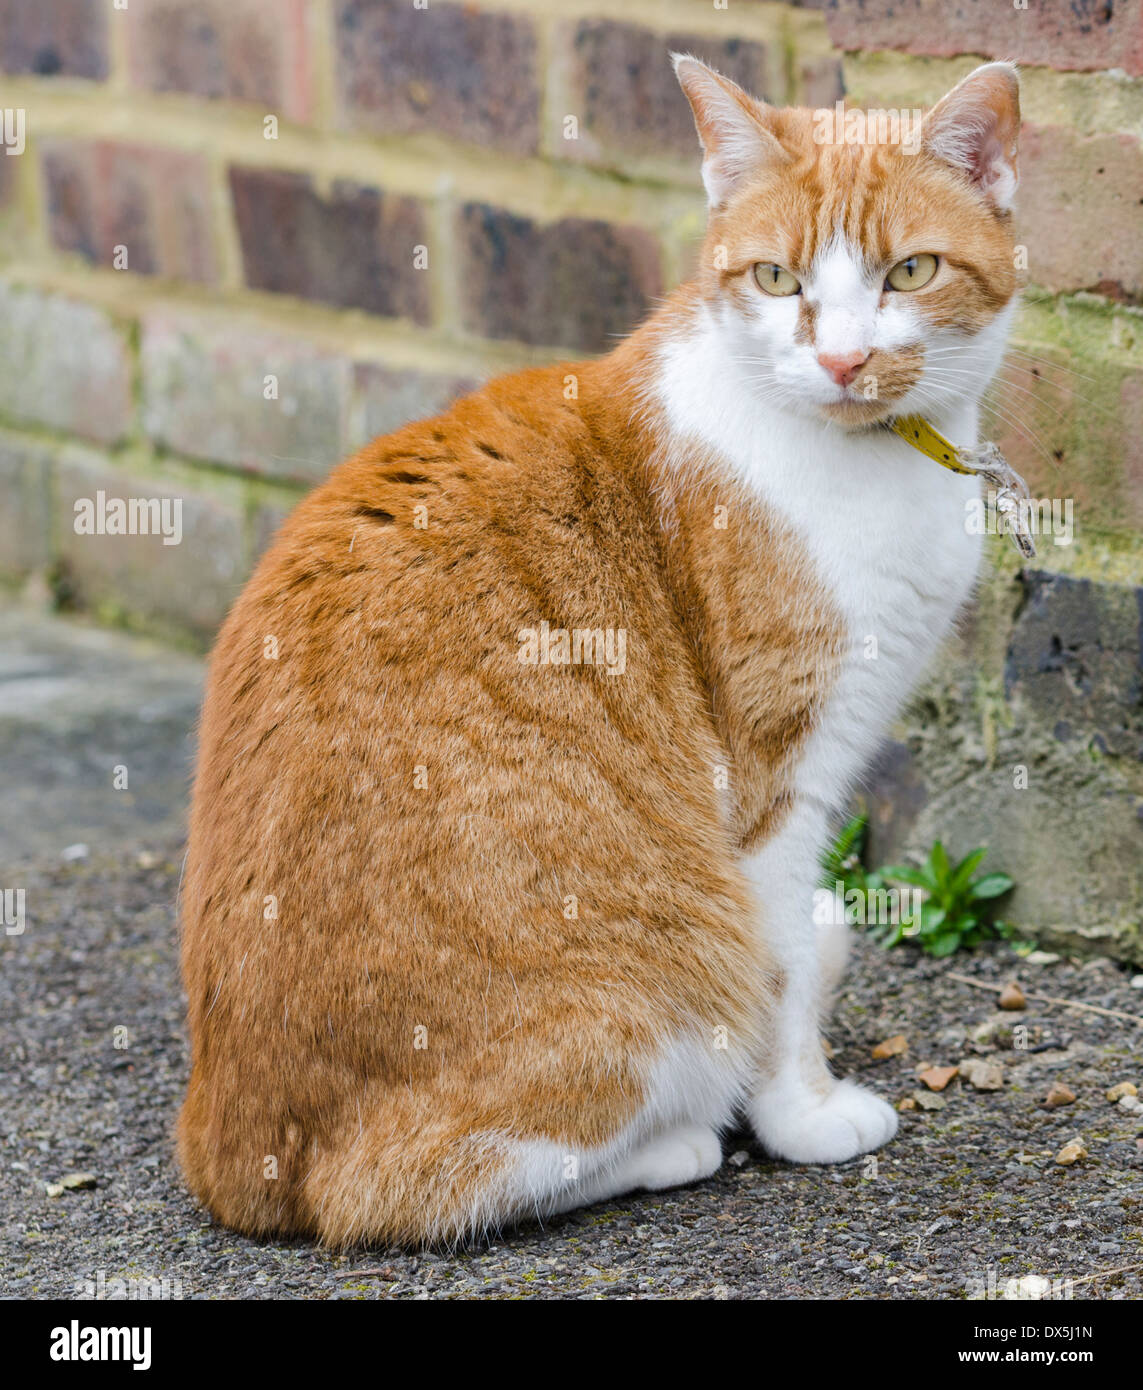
774 280
911 274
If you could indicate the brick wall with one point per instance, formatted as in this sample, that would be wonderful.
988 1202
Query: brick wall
245 235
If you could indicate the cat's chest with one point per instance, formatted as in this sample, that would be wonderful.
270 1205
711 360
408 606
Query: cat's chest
882 532
889 543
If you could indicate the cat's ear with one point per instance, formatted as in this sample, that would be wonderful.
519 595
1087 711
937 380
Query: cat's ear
976 128
731 126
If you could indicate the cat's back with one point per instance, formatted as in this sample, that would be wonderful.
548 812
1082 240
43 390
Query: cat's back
455 763
414 571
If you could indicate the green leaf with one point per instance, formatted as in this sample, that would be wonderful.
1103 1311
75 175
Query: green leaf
939 863
965 869
944 944
991 886
931 918
847 846
904 874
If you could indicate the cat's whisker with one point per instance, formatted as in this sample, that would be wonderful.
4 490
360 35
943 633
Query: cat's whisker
949 394
1044 380
958 350
1012 351
998 386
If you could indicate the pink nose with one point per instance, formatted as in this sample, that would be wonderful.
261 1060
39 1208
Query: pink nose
843 367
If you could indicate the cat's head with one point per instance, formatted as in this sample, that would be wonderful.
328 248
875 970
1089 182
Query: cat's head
859 264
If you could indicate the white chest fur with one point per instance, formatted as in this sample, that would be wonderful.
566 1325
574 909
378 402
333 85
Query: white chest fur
883 525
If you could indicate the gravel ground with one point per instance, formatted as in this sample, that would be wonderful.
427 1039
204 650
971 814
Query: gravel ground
967 1192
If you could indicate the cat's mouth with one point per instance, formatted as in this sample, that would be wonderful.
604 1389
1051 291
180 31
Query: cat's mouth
854 411
876 393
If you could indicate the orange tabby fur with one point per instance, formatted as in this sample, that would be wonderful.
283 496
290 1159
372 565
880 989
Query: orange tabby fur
392 814
444 908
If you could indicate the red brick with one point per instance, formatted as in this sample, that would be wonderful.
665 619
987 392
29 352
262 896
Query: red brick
451 69
7 180
25 506
1068 182
623 89
388 397
65 38
63 364
1131 434
189 585
354 249
1067 34
236 50
574 283
155 202
266 523
1073 428
820 82
204 394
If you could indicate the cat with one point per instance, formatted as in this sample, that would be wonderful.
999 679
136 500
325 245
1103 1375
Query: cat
481 922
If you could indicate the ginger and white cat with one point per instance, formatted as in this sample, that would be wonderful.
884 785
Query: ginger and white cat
472 934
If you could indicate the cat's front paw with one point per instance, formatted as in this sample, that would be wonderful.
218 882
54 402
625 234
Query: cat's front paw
803 1127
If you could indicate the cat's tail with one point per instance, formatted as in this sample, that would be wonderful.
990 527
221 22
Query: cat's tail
389 1174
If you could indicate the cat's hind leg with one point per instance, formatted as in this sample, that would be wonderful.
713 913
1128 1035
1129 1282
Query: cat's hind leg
419 1176
680 1156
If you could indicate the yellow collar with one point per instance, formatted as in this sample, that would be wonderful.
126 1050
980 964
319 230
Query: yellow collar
921 435
1011 497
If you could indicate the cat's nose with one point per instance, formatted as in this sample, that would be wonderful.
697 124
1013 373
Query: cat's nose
844 366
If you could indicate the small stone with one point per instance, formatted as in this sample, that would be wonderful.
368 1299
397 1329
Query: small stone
738 1159
1071 1153
1059 1094
891 1047
75 1181
1132 1104
982 1075
54 1189
907 1104
937 1078
1030 1286
1012 997
985 1034
927 1101
1042 958
74 852
1121 1089
147 859
1137 982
